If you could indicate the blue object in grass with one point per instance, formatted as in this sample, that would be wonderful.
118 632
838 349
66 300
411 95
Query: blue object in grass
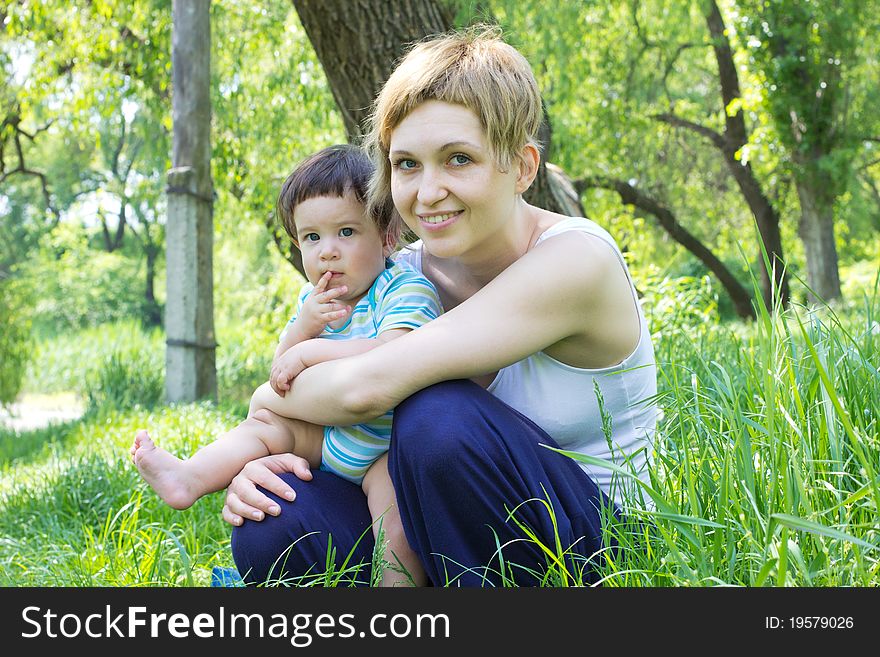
225 577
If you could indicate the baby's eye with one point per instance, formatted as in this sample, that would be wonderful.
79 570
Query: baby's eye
311 237
459 159
346 232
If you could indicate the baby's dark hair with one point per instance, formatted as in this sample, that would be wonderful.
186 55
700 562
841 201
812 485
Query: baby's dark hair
334 171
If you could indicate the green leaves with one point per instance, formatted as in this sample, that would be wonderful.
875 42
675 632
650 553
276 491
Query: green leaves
16 340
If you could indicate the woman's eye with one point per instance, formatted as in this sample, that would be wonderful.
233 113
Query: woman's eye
405 165
346 232
459 159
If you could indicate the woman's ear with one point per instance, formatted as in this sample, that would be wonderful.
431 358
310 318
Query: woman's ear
389 243
528 159
393 233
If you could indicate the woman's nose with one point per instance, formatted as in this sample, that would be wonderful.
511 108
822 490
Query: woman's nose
431 188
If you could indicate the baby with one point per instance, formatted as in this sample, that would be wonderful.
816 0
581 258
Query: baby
356 299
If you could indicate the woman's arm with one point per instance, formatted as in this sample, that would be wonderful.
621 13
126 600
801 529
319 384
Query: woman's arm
557 290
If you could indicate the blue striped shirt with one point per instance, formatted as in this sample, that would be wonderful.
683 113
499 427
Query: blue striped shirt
400 297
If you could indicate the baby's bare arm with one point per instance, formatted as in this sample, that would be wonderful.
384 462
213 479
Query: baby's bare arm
288 365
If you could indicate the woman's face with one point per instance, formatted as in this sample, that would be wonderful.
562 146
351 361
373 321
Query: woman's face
445 182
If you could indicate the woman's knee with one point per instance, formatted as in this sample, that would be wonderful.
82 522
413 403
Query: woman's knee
295 542
433 400
434 425
260 543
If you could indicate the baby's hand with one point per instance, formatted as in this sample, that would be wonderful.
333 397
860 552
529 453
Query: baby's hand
320 308
285 369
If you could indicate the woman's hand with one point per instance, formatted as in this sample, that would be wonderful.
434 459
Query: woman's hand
244 501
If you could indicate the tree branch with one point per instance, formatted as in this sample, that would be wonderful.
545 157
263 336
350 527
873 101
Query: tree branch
44 184
30 136
114 159
735 126
634 10
678 51
13 121
630 195
705 131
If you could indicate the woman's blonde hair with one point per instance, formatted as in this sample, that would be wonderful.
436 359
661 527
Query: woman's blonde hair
471 67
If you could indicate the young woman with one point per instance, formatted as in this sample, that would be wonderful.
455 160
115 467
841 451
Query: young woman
539 311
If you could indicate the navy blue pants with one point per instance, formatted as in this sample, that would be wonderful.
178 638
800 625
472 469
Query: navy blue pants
461 462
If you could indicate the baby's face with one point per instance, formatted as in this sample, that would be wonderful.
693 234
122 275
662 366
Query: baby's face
335 235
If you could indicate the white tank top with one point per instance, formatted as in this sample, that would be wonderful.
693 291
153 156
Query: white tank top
562 399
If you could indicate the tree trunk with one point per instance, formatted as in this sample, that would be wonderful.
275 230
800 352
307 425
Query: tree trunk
152 312
810 108
105 232
734 138
120 226
816 229
189 323
358 44
767 221
114 241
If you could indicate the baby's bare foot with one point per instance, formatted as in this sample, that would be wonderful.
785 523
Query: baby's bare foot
163 471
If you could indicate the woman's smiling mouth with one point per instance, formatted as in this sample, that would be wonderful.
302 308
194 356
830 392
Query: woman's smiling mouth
437 221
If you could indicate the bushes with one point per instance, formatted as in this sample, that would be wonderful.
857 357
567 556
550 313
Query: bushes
78 286
16 343
126 379
118 364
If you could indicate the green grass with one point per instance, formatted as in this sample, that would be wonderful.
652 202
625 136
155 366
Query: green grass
76 513
767 464
766 467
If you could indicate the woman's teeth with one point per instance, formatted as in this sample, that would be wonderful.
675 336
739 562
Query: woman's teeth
439 219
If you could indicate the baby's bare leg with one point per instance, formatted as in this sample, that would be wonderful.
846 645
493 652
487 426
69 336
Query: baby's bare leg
181 482
265 397
405 569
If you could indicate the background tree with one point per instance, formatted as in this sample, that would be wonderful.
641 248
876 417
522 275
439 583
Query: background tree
807 59
88 84
607 72
730 142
